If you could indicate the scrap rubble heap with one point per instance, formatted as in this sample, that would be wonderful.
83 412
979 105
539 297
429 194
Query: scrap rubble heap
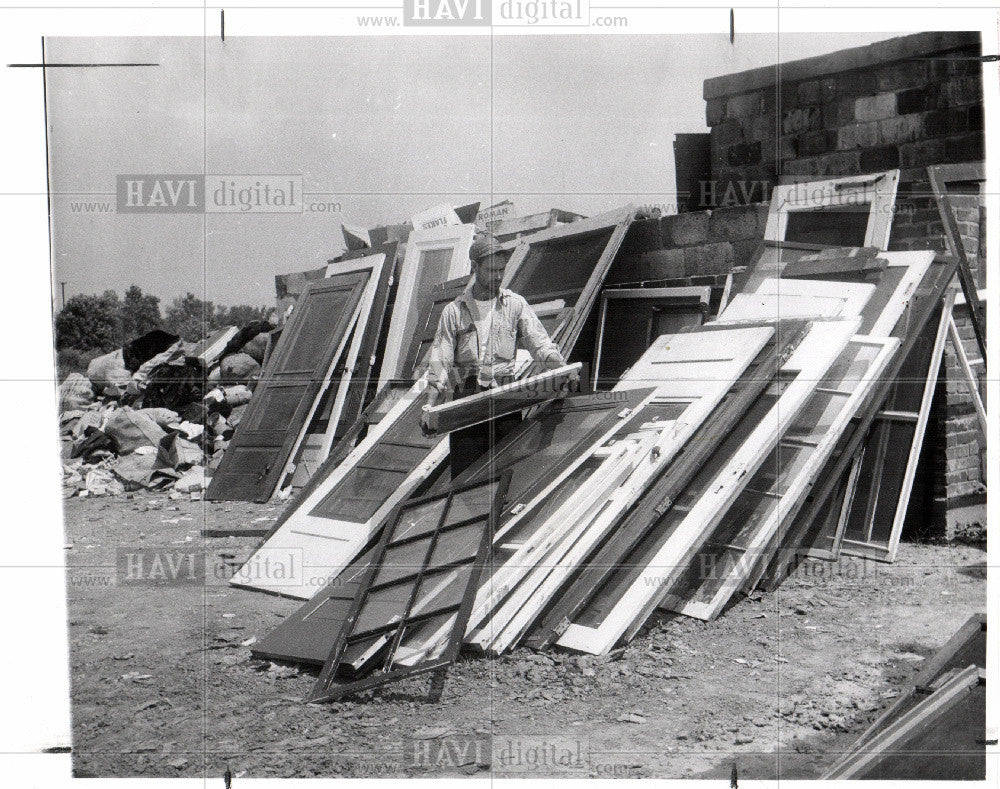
157 412
725 430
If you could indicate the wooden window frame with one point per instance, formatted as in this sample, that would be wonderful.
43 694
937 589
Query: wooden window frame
351 535
919 309
655 500
619 220
879 189
866 548
365 327
326 688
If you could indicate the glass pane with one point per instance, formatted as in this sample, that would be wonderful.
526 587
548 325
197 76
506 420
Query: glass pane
402 560
473 503
458 544
425 640
419 519
442 589
313 339
842 226
382 607
559 266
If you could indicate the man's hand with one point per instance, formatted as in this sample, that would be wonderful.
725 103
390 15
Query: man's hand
428 422
571 384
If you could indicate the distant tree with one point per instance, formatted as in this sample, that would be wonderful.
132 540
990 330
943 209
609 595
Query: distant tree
240 315
140 313
191 318
89 323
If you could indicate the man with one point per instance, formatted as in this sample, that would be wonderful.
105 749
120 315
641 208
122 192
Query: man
475 345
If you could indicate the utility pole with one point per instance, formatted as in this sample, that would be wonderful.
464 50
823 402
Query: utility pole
63 285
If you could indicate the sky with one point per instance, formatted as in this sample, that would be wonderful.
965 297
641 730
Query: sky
380 128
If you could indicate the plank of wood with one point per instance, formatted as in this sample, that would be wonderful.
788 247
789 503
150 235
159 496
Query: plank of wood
674 546
940 176
865 762
966 647
502 400
266 436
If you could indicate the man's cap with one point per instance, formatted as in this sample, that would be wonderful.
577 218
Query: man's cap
483 245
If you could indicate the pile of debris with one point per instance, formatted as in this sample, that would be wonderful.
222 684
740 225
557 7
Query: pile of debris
158 412
728 431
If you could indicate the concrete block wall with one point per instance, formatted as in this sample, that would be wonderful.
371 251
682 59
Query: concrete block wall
905 103
694 248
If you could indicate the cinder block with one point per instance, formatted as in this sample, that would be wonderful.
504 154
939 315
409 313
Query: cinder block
728 133
875 108
801 120
900 130
858 135
625 268
917 99
857 83
966 148
828 90
925 152
743 251
818 142
744 105
662 264
685 229
807 93
900 76
763 127
875 159
733 224
743 154
964 90
974 117
642 236
708 259
715 111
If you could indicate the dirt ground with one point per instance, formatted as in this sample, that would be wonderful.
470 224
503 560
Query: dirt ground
163 683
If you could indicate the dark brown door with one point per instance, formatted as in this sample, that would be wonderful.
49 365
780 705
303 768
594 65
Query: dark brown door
258 452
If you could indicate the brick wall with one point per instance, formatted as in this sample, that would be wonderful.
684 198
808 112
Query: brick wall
908 102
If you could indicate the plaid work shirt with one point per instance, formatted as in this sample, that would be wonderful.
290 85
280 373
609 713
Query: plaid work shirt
458 353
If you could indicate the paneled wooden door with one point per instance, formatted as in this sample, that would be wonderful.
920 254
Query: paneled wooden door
309 344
